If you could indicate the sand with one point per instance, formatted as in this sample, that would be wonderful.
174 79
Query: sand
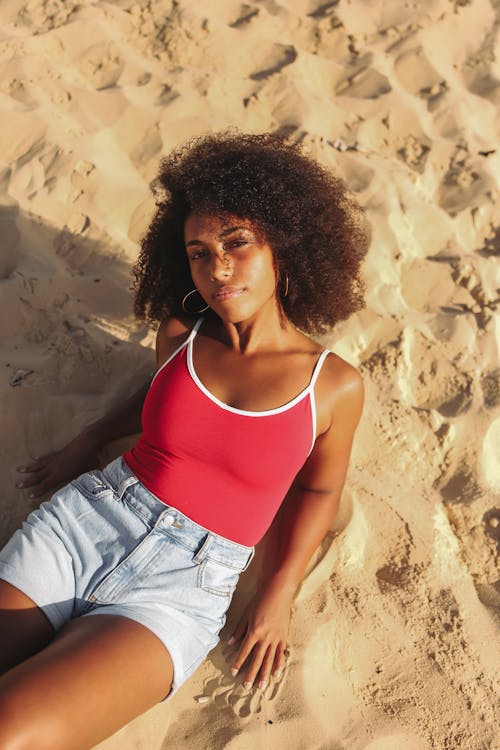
393 629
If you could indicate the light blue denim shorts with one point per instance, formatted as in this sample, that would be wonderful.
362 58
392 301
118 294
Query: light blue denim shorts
104 544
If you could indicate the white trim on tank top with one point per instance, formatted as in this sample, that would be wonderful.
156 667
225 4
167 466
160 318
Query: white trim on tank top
268 412
184 343
309 389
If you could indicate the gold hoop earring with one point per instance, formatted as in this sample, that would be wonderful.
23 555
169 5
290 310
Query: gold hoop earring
286 285
192 312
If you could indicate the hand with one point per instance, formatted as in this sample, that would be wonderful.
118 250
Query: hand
264 629
54 469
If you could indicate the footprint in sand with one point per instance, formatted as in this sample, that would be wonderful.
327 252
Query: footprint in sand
490 387
437 383
80 254
281 56
353 171
324 10
18 89
400 570
419 77
414 152
246 14
463 487
470 298
27 179
45 15
465 185
101 65
364 83
477 70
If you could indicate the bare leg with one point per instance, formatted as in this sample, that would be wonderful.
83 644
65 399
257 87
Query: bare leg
24 629
96 675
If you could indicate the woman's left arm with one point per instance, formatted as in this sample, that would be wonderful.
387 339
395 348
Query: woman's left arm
305 517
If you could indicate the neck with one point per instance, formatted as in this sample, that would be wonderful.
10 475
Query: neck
267 329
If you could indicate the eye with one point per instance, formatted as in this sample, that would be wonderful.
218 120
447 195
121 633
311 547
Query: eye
197 254
235 243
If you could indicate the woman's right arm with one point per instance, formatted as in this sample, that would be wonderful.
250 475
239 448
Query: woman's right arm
82 453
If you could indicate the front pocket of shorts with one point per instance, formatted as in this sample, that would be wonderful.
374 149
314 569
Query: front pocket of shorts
217 578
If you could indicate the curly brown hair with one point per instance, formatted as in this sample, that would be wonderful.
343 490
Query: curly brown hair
316 231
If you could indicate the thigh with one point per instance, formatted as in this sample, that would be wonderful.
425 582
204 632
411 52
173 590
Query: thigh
96 675
24 629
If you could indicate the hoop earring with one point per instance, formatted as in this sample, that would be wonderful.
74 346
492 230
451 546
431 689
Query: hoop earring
192 312
286 285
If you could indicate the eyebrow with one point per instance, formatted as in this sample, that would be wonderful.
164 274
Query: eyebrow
222 234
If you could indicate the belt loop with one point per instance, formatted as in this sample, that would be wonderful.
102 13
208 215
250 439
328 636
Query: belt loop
252 553
202 552
124 485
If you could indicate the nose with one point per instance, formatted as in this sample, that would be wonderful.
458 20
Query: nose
221 267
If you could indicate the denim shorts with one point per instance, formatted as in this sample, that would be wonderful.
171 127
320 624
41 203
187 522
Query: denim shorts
104 544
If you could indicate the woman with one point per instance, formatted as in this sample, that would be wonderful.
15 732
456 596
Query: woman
115 590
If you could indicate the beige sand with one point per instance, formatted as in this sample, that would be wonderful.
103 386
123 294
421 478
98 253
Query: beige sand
393 629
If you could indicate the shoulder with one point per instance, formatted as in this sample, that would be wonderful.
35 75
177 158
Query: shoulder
174 326
338 373
339 392
171 333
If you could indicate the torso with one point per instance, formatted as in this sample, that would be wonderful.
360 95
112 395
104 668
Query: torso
237 379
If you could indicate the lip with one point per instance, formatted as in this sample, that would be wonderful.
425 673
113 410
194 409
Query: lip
228 292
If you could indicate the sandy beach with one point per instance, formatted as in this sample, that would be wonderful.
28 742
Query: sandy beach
393 628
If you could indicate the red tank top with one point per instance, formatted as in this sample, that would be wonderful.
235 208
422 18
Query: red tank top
227 469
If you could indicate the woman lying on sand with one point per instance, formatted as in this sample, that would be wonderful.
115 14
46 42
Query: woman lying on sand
116 589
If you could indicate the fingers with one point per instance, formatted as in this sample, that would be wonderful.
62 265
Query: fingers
239 632
36 480
263 669
39 463
259 653
29 467
279 660
37 476
267 659
40 489
37 484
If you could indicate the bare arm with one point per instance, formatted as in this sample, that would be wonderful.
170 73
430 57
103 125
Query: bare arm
82 453
302 522
126 419
312 502
122 421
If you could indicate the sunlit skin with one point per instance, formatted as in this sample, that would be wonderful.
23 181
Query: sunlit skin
251 357
231 254
233 269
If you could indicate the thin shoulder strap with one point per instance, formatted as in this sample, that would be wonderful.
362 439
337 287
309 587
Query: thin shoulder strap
318 366
194 330
185 343
316 371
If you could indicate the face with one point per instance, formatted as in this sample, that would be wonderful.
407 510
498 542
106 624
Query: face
231 265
